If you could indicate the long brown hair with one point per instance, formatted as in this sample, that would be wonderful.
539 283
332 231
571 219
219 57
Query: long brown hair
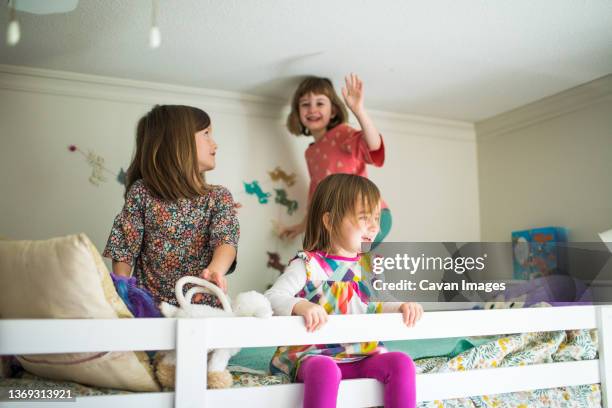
317 86
337 196
166 156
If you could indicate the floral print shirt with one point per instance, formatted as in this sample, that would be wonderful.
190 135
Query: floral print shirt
166 240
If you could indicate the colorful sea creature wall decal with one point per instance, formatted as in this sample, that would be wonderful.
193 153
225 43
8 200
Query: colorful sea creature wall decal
255 189
274 262
282 199
96 162
279 174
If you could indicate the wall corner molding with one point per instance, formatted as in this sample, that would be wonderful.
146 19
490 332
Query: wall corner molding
545 109
36 80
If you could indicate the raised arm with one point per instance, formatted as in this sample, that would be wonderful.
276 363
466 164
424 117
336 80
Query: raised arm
353 97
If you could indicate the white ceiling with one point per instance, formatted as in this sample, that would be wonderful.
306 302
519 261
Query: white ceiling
454 59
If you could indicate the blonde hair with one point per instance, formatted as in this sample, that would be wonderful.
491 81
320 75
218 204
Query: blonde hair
166 157
337 196
317 86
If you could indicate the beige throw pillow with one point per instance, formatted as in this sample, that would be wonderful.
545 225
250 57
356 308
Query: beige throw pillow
67 278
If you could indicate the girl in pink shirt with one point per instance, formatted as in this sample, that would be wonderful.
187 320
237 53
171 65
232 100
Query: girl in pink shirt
317 111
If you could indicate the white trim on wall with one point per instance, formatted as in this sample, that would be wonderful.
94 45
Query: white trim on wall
36 80
545 109
26 79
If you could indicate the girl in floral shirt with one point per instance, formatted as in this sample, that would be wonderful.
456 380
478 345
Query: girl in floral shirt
173 223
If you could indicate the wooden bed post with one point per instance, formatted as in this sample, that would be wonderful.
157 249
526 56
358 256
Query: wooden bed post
191 363
604 328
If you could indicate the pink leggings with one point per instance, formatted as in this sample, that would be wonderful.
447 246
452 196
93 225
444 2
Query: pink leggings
321 376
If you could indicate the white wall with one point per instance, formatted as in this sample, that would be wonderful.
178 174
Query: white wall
549 163
429 179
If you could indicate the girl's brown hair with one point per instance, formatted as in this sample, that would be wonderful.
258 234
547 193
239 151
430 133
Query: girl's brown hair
317 86
337 196
166 156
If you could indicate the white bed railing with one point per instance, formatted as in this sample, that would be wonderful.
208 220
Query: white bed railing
193 337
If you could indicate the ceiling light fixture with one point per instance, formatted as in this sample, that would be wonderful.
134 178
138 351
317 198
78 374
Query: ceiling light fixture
13 32
154 34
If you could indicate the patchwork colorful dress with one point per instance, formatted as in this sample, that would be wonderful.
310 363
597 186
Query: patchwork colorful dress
341 286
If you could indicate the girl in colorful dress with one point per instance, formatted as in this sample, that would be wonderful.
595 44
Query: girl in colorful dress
173 223
331 277
317 111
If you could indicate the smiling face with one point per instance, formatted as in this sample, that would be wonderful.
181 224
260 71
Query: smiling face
315 111
360 227
206 148
344 211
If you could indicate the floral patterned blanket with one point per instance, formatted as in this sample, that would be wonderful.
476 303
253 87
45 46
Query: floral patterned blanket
516 350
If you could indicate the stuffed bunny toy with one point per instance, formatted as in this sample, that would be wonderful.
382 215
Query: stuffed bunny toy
246 304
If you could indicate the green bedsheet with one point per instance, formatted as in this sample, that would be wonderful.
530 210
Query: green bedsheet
259 358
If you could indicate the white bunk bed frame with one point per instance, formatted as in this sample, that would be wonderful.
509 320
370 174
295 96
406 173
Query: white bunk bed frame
193 337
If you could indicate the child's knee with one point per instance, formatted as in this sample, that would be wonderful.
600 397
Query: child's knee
399 362
321 367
